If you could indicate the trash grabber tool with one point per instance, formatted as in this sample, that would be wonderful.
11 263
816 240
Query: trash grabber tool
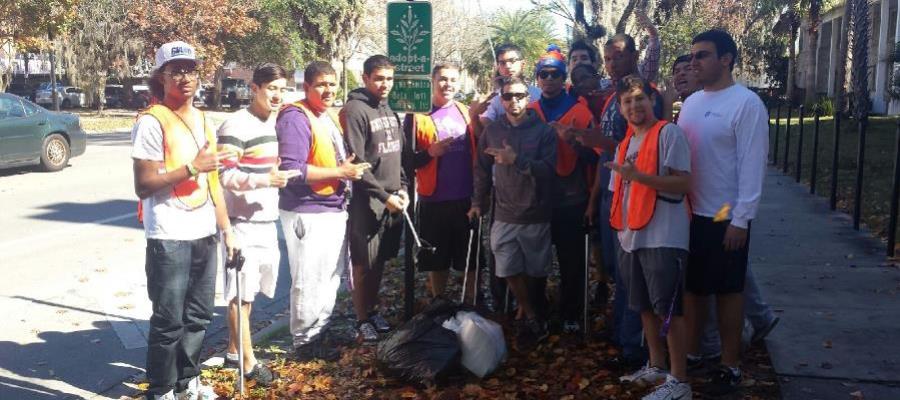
236 263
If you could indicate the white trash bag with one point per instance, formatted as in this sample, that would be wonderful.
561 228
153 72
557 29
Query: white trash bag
482 342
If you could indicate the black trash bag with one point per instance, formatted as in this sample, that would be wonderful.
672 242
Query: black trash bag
421 350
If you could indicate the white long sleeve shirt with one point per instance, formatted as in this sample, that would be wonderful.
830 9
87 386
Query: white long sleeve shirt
728 132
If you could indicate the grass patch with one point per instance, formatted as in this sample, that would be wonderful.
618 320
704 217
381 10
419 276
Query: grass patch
878 162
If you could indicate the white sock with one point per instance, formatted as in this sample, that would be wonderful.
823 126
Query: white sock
231 356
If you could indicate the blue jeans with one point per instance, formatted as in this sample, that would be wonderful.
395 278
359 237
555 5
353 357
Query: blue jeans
181 280
756 311
627 333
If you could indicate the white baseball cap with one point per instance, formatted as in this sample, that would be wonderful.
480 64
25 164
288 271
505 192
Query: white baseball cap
172 51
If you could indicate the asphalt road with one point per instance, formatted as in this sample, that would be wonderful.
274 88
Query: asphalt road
73 295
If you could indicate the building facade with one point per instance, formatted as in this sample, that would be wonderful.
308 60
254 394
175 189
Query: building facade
884 33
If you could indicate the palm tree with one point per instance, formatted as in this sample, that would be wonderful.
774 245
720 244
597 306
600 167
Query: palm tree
531 30
861 57
813 21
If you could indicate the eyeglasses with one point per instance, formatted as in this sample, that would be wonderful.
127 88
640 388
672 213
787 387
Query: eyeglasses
509 96
180 74
508 61
550 74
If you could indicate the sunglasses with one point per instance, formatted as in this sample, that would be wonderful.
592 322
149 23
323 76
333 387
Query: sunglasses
550 74
510 96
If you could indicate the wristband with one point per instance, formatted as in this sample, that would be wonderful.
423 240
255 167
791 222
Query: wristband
192 171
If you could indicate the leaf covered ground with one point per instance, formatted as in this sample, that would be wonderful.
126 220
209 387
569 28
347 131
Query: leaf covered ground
564 367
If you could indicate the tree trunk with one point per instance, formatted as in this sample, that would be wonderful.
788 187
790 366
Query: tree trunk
792 64
100 93
217 88
814 20
344 73
844 57
861 58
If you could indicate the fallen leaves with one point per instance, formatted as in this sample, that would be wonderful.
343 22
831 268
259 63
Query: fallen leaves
564 367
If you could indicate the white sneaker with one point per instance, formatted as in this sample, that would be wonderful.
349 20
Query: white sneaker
197 391
647 375
672 389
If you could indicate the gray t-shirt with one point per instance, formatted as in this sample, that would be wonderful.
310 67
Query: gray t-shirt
670 225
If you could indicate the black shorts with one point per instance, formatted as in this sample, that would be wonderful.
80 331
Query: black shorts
373 240
711 269
445 226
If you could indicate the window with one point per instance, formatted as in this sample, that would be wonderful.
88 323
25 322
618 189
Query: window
31 108
11 108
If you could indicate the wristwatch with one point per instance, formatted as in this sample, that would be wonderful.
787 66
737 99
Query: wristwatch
192 171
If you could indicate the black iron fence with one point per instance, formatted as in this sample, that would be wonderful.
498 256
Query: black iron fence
785 130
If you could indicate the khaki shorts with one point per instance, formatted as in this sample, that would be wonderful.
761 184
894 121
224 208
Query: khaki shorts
259 246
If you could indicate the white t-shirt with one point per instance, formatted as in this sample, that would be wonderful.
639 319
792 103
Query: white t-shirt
495 108
728 131
670 225
164 217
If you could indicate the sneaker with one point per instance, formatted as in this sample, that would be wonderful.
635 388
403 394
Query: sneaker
538 329
697 364
647 375
317 350
366 332
261 374
724 380
570 326
231 361
196 390
760 335
381 324
671 389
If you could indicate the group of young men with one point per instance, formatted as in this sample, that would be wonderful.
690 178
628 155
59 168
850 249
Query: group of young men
541 165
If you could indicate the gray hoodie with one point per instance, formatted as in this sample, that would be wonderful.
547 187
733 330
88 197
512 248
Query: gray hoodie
523 192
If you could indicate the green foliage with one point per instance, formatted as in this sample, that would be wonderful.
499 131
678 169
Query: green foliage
775 63
352 83
824 104
278 39
326 26
531 30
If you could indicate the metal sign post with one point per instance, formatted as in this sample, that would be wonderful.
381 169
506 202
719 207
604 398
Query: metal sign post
409 48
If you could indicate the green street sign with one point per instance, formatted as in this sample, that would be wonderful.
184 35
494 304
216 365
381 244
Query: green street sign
411 95
409 48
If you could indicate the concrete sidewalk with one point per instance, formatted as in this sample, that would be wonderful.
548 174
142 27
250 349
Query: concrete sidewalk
839 336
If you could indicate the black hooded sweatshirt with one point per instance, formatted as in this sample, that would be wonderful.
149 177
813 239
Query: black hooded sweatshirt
374 135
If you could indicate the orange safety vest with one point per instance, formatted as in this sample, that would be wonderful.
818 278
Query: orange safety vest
641 198
426 135
580 117
179 148
321 148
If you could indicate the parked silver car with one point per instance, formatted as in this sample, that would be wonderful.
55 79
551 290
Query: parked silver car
69 96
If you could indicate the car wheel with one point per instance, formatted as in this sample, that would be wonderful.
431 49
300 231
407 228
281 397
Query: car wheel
54 153
66 104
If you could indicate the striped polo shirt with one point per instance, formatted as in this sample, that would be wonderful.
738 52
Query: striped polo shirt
245 178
